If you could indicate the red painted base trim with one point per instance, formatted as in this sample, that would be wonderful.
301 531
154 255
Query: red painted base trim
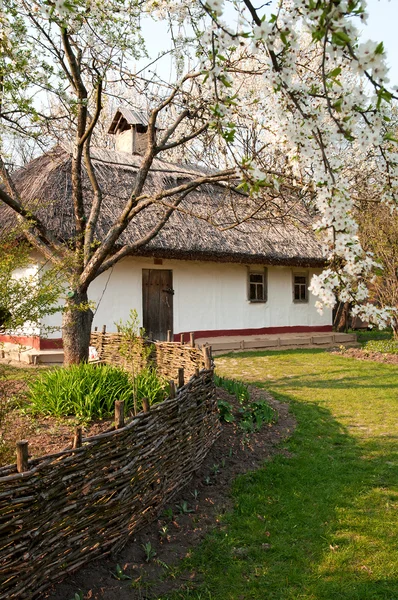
51 344
32 341
261 331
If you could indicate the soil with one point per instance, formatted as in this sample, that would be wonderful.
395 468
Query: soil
173 535
46 435
362 354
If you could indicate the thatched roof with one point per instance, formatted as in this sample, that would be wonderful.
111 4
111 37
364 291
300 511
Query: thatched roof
197 231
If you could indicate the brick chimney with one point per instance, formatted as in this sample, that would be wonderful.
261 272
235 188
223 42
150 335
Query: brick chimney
131 130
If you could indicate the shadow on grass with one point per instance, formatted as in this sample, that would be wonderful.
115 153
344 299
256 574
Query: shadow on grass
313 524
339 376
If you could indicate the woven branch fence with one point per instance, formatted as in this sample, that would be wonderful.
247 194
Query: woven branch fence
168 357
67 508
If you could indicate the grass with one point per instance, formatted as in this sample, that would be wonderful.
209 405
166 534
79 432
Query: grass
321 522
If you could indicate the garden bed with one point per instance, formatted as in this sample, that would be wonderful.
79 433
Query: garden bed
91 497
364 354
46 434
207 496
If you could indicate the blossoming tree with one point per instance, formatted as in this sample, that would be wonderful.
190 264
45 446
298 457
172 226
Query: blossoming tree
234 64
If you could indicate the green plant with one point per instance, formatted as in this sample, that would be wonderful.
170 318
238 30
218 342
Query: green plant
195 494
246 423
120 575
167 514
89 392
33 294
215 469
164 533
183 508
234 387
145 380
83 390
78 596
148 384
225 410
149 551
252 415
255 414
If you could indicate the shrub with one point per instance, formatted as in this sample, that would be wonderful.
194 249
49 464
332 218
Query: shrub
89 391
384 346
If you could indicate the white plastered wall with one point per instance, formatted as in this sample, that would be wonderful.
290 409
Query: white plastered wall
29 273
208 296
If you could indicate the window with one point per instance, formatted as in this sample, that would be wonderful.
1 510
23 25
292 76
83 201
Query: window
257 285
300 287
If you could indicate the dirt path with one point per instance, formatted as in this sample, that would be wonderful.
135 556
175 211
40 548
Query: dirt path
173 536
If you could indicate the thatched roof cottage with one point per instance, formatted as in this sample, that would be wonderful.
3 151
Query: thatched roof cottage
200 273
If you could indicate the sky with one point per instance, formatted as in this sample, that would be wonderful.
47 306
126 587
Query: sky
382 26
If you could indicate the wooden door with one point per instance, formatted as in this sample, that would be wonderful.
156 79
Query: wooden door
157 302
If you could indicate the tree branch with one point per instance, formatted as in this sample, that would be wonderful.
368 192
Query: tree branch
131 248
35 232
183 140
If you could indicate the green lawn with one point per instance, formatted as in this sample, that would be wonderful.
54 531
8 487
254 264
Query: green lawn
328 512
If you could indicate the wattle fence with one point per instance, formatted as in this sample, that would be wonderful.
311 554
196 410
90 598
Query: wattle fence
167 357
65 509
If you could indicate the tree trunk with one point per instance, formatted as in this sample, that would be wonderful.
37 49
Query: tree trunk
76 329
341 319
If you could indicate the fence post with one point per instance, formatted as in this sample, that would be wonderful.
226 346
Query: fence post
182 339
145 405
172 388
207 357
192 339
104 329
119 414
181 379
169 335
22 456
77 438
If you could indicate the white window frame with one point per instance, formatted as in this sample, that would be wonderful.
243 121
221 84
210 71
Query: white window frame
263 271
305 288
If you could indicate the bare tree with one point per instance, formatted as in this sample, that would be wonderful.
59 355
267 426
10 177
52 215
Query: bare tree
74 64
74 54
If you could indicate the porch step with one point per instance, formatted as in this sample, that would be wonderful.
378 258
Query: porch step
283 341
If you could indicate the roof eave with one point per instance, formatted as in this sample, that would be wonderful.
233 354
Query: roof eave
240 258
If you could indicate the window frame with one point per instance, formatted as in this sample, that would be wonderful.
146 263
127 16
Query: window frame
305 274
263 271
